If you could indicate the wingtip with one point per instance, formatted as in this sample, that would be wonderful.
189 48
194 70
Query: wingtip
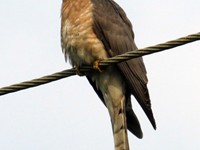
153 123
140 136
155 127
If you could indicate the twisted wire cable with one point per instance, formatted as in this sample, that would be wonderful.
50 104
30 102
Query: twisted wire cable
103 63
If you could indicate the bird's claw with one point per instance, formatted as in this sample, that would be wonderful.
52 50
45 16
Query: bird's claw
96 65
78 72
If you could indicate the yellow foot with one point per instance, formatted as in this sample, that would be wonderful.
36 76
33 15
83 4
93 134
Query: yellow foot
96 65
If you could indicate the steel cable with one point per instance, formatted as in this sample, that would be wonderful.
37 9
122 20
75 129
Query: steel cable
103 63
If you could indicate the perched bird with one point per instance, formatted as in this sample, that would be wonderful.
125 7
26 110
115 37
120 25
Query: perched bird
93 30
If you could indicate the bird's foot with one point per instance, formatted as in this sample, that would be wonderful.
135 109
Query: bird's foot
96 65
78 72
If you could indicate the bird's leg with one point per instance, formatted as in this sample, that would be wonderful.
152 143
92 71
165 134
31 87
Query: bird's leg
96 65
78 72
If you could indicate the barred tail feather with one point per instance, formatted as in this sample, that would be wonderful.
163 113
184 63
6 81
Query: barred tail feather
120 127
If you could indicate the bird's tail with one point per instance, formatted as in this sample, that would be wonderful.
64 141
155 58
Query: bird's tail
119 126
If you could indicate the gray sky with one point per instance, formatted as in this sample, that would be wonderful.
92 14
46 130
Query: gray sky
67 114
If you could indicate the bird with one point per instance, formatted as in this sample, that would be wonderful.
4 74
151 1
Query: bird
94 30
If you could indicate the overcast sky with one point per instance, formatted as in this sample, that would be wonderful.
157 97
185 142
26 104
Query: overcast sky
67 114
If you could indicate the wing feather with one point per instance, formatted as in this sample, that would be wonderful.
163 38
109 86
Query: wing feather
113 28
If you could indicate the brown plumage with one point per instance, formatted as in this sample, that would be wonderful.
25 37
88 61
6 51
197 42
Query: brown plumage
95 30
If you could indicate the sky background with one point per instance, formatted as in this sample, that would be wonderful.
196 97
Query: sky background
67 114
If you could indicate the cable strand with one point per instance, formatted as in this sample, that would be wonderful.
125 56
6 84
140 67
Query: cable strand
103 63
